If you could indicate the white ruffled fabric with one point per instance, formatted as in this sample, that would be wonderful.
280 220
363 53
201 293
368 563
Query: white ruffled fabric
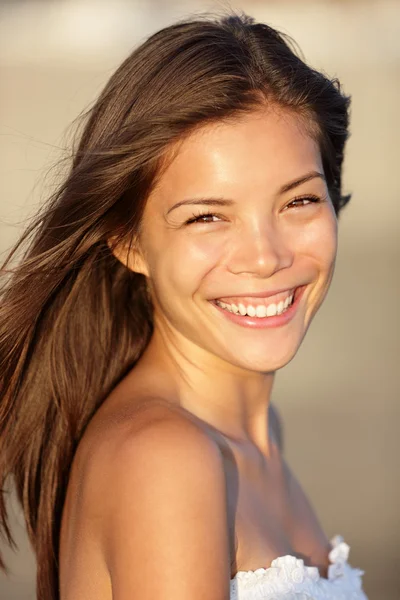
289 579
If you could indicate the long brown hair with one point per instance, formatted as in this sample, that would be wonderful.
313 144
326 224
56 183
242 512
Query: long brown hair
73 319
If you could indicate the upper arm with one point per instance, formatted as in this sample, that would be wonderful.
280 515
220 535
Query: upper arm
165 523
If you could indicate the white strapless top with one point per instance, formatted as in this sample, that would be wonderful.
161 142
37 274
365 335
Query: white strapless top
289 579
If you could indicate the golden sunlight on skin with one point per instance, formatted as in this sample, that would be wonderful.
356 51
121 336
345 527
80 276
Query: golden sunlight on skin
259 243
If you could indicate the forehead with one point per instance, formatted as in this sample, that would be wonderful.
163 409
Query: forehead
263 149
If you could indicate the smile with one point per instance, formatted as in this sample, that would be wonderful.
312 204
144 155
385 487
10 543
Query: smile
261 312
259 307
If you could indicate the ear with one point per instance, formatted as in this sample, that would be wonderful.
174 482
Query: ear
130 256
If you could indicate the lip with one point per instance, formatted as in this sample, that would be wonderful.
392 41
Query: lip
265 322
265 294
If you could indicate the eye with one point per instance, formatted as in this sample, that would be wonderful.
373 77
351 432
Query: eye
300 201
201 218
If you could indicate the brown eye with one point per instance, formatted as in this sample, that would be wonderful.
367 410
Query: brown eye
303 201
201 218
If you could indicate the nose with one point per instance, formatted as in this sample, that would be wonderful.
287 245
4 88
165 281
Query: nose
260 252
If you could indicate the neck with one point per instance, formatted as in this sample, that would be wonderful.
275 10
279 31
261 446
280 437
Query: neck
231 399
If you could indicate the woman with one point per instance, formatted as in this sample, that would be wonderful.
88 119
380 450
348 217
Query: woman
177 268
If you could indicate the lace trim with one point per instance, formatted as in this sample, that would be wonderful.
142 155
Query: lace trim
288 574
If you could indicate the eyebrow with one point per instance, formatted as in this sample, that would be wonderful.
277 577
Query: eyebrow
228 202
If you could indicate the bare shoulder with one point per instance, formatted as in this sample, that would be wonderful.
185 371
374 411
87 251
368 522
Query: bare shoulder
159 495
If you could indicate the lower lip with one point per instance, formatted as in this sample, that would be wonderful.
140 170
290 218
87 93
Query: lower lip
264 322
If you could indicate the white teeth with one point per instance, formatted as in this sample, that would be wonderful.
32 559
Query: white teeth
260 310
242 309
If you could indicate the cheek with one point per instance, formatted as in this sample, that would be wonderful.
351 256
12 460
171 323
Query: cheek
182 263
318 239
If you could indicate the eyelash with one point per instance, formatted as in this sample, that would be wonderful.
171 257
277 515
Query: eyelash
197 217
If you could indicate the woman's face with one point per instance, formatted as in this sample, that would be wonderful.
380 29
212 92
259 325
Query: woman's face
265 238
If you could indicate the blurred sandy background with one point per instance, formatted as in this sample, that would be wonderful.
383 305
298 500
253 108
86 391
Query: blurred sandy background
339 398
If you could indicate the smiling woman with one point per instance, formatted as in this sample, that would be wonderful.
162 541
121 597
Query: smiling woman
177 268
264 242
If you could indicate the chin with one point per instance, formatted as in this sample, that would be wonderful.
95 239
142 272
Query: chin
267 363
